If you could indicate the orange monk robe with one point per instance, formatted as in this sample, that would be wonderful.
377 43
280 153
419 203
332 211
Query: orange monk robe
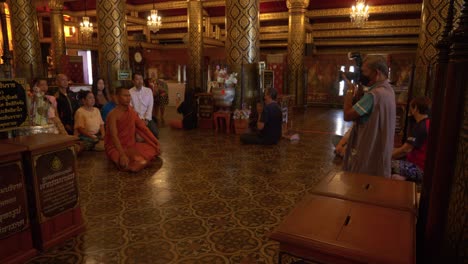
128 125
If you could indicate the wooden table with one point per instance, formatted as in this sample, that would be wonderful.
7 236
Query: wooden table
16 244
369 189
330 230
53 197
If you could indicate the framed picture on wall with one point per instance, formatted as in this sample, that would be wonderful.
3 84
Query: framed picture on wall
153 73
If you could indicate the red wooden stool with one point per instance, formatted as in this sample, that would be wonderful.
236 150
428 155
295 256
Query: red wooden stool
223 115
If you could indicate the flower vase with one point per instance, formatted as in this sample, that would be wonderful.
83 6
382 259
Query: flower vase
224 95
241 126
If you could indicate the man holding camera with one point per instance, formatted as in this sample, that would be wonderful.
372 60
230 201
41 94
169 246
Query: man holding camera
370 144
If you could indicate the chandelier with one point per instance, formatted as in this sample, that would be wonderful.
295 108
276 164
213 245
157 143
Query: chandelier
86 27
154 21
359 13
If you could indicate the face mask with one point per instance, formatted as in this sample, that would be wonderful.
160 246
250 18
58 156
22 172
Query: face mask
365 80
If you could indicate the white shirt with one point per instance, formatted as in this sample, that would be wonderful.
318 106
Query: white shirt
142 102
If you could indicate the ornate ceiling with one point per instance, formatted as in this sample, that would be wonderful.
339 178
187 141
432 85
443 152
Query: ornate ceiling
392 24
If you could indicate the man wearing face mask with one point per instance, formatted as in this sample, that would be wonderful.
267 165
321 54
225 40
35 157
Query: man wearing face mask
370 144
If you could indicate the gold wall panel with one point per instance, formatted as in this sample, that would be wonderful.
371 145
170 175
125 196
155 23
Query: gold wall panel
58 48
113 42
195 46
27 49
296 40
433 16
243 45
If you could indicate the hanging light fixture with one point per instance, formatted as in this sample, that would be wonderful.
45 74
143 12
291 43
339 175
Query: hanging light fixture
154 21
86 27
359 13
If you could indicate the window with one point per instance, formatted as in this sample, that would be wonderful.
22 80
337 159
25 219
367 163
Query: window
342 84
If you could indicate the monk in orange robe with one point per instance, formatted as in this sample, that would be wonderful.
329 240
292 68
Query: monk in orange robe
122 126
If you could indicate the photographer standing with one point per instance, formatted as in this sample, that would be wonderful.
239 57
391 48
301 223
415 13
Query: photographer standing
370 144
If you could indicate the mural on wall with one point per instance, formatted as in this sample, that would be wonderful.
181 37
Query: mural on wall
322 78
400 69
278 64
323 84
166 70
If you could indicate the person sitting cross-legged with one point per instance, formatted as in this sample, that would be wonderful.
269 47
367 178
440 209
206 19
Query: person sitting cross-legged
89 126
188 111
414 149
268 123
123 124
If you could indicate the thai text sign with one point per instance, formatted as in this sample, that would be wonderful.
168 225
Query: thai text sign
56 182
13 107
13 216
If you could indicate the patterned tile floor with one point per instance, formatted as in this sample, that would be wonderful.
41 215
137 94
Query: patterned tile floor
206 199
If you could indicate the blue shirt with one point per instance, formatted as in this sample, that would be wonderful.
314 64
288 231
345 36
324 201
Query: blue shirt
105 110
365 106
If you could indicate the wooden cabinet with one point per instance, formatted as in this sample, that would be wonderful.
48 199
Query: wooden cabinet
16 244
50 166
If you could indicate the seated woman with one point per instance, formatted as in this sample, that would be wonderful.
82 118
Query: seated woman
161 98
414 149
100 93
188 111
89 126
43 108
123 124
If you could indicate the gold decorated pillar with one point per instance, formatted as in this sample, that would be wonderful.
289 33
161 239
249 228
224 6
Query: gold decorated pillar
296 46
58 34
243 47
195 45
27 49
433 21
113 42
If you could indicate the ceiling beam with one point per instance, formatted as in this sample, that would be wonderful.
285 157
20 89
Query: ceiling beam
373 10
368 24
365 32
212 42
274 29
369 42
274 36
169 36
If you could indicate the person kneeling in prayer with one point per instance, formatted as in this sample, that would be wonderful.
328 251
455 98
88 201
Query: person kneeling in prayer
123 124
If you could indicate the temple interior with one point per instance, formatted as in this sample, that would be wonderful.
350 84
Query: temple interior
208 198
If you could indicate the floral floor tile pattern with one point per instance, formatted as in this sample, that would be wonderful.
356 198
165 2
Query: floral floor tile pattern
206 199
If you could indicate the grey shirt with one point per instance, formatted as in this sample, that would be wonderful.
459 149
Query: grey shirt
370 144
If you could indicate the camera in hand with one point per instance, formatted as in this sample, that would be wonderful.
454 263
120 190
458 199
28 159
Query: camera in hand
355 77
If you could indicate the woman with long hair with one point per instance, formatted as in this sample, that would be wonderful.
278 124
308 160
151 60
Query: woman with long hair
100 93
